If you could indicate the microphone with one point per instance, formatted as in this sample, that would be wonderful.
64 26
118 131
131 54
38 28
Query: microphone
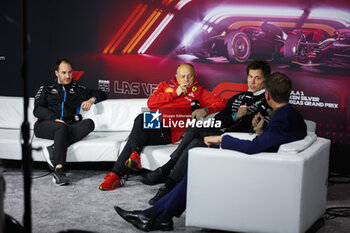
76 118
264 108
248 99
195 105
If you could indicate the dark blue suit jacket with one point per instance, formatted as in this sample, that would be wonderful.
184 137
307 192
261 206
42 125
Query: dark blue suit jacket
286 125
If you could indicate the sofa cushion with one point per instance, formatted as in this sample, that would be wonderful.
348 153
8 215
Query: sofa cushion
11 112
153 157
115 114
97 146
298 146
310 126
10 144
242 136
108 115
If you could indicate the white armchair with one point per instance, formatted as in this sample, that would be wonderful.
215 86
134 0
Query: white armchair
266 192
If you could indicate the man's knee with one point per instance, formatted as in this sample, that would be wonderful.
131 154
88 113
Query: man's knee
60 130
61 126
139 118
192 132
90 125
138 121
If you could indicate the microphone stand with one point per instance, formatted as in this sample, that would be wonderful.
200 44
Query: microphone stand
25 129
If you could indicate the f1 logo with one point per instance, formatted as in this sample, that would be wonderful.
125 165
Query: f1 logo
151 120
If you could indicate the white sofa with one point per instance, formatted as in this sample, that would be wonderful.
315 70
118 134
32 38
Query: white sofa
282 192
266 192
113 122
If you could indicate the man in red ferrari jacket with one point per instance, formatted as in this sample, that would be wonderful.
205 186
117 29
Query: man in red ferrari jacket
173 100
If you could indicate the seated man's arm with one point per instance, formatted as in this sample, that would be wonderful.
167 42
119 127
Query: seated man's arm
161 95
274 135
212 102
225 115
41 111
96 95
209 103
228 116
91 97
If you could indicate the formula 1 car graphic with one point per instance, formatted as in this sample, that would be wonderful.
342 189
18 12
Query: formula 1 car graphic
308 47
306 37
302 47
238 46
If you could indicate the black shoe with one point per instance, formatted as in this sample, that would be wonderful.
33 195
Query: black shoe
59 177
136 218
154 177
48 154
140 221
161 192
162 226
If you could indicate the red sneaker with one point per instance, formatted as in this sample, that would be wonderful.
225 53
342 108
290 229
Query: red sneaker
134 161
112 181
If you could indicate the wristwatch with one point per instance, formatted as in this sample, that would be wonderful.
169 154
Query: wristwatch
206 109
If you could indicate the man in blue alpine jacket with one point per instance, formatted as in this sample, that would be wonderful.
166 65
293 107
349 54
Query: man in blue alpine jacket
57 107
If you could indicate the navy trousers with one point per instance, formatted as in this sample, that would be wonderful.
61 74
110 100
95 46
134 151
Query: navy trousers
174 202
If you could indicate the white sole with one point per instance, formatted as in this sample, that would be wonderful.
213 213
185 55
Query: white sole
54 181
47 158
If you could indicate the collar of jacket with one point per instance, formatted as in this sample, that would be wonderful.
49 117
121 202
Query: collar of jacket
277 109
56 84
259 92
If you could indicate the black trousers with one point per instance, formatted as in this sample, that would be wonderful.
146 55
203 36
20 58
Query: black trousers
63 135
138 138
193 137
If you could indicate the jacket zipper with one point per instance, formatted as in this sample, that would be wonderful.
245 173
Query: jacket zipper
64 100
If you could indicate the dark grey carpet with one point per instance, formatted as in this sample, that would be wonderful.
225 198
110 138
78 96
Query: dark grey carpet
80 205
83 206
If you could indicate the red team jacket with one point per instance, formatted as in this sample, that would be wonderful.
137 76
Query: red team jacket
177 108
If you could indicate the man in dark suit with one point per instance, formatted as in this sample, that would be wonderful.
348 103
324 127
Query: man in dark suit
286 125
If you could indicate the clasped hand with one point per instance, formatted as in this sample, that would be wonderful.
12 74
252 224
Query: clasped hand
242 111
258 123
212 140
198 113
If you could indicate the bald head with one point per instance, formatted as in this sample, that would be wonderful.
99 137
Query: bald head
182 65
185 74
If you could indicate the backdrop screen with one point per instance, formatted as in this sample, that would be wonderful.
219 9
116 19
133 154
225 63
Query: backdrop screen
127 47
